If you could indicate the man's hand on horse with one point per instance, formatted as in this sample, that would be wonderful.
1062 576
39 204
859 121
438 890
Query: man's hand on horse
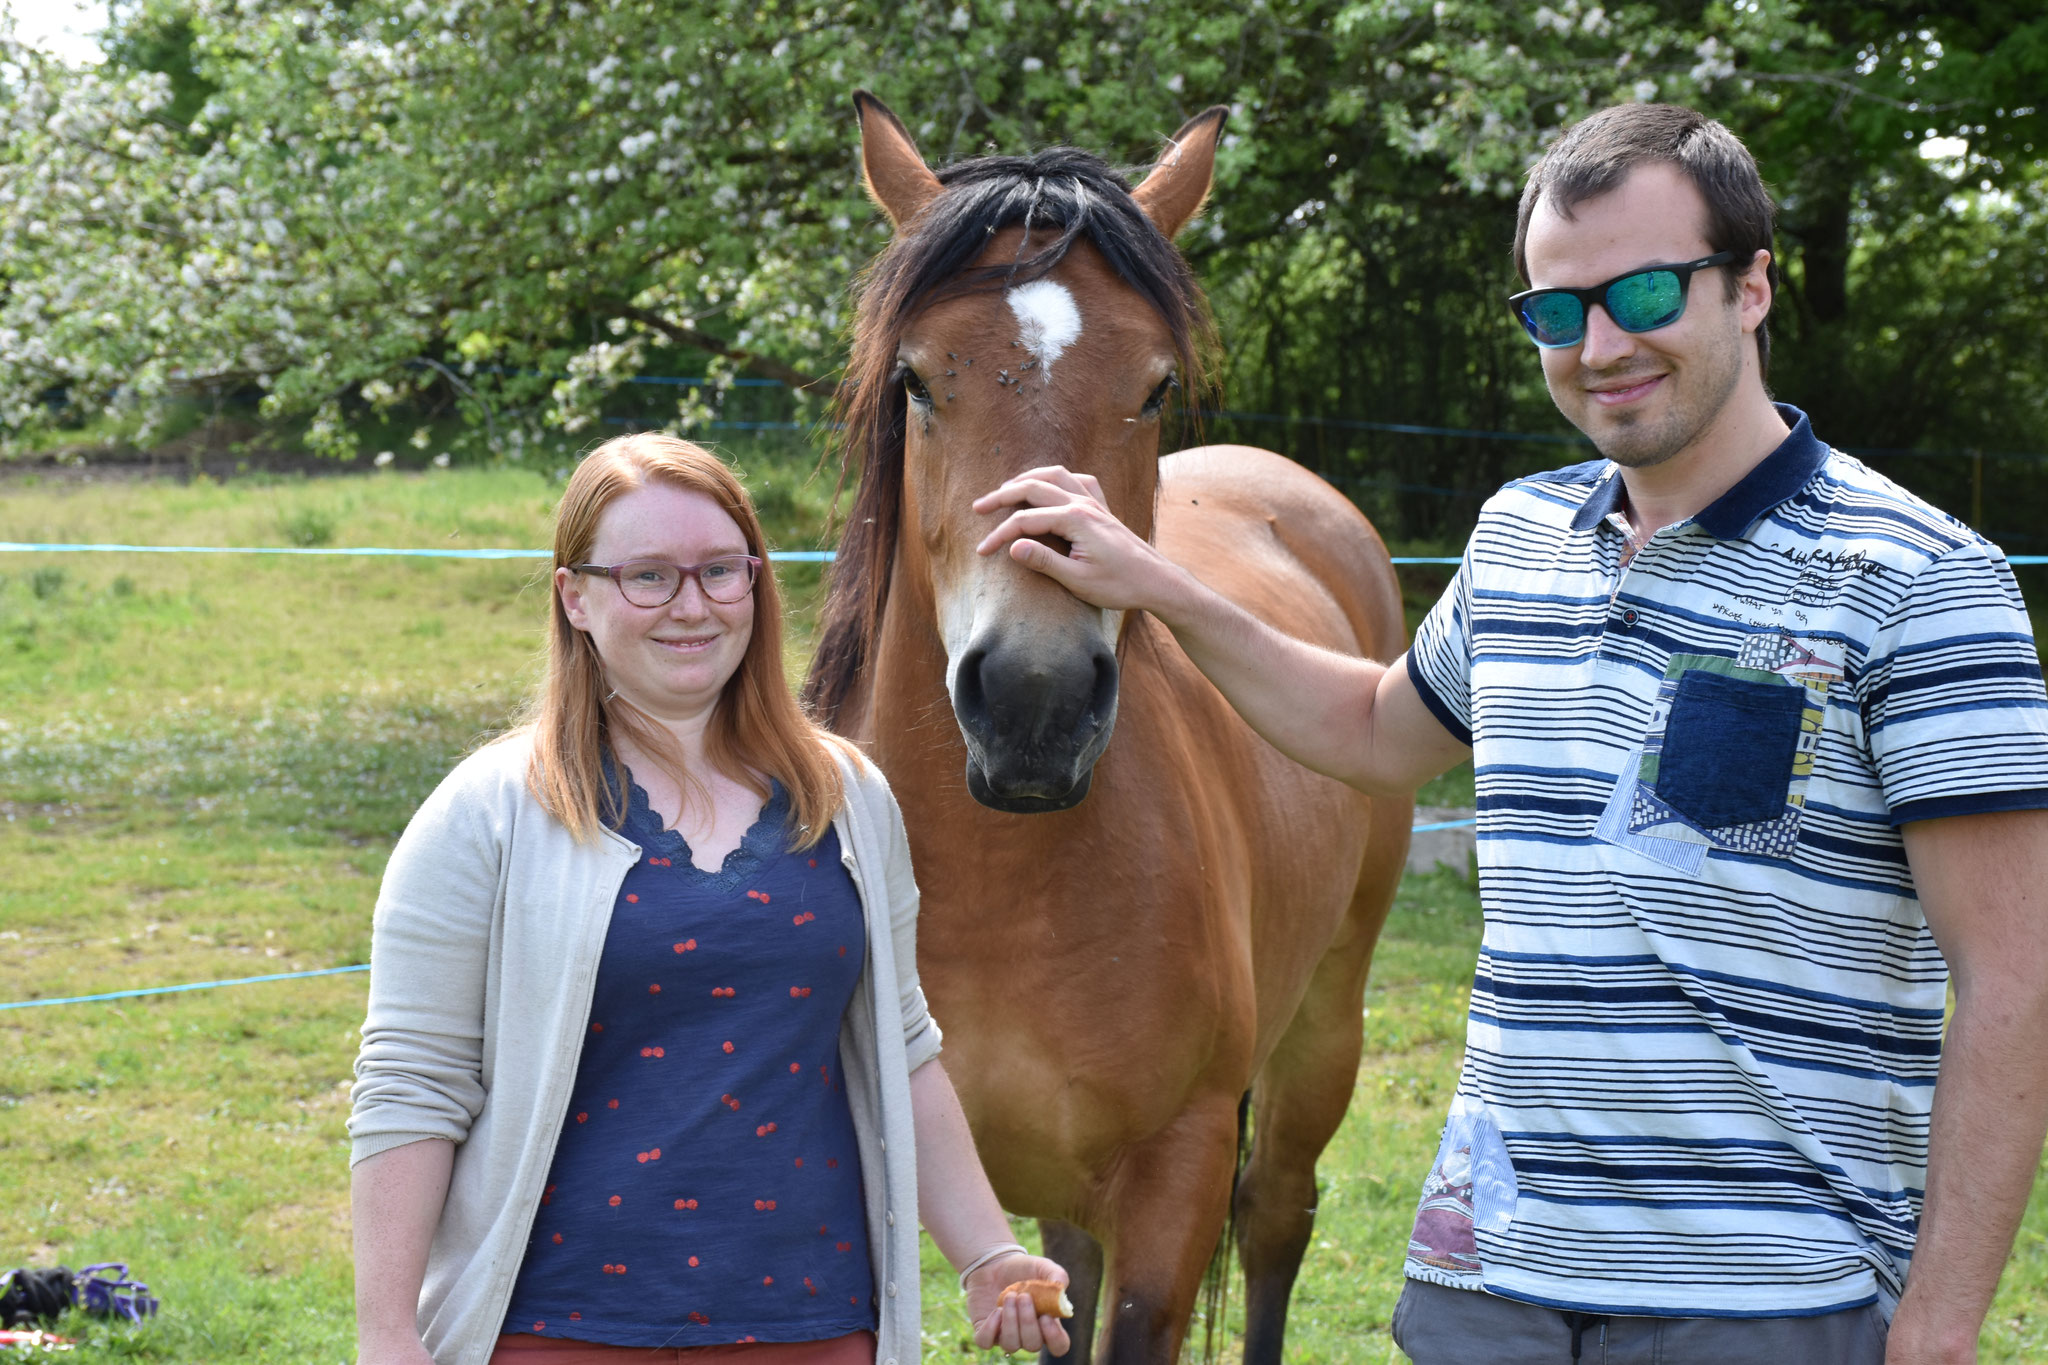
1106 564
1008 1323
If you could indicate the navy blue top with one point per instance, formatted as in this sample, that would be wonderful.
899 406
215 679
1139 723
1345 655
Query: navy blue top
706 1187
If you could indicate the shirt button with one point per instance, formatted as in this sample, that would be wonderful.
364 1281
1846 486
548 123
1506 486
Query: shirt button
1628 618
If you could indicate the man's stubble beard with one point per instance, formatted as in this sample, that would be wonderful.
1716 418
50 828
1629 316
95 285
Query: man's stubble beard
1636 443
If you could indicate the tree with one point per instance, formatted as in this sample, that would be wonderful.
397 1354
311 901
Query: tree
525 205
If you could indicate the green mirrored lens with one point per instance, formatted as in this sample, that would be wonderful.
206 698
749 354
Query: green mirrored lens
1554 319
1639 303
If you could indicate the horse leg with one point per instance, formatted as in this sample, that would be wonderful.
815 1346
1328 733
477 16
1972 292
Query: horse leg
1166 1206
1298 1099
1081 1254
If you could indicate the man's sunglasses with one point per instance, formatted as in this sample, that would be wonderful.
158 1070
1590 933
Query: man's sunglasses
1640 301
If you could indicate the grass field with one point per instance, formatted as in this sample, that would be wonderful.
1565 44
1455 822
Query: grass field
203 763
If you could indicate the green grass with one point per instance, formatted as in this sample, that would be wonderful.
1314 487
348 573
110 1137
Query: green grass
203 763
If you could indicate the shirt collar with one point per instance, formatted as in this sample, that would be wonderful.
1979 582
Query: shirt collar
1776 477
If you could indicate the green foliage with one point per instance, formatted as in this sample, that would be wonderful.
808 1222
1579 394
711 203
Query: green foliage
504 211
160 39
1904 271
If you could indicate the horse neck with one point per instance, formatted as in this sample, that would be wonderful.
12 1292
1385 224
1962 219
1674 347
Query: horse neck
900 708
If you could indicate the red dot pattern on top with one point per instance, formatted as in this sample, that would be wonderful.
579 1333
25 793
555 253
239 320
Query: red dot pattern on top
655 1164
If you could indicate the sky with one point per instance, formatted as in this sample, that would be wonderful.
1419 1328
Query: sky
62 27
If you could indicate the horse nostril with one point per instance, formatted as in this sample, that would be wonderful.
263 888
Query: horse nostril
1102 698
970 699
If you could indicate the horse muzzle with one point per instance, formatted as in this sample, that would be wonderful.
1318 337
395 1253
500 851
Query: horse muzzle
1034 721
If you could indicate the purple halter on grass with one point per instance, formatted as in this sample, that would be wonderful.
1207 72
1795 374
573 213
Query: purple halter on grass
106 1291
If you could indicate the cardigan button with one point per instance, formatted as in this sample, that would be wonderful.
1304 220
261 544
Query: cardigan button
890 1217
892 1289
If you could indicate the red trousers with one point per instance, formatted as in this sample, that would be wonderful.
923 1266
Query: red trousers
855 1348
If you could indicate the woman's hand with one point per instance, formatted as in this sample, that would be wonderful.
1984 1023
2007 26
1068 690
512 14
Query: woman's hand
962 1215
1012 1325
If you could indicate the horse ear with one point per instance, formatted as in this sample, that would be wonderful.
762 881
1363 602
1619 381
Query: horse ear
895 174
1172 195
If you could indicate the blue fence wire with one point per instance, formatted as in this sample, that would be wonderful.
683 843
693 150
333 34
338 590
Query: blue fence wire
364 966
27 547
1280 418
785 556
173 990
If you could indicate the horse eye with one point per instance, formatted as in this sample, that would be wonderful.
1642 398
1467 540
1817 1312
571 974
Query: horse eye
914 386
1157 401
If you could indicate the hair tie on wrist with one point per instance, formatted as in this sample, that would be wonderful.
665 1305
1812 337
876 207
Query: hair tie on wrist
1001 1249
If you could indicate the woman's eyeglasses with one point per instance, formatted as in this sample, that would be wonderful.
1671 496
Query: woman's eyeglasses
1640 301
655 583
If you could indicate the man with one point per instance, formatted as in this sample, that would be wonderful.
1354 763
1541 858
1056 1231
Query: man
1760 739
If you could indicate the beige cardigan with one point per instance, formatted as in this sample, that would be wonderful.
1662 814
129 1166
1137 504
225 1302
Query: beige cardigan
482 963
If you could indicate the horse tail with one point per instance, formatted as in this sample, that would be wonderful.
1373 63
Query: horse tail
1216 1279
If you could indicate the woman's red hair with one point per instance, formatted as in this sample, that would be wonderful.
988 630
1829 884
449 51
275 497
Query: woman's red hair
757 731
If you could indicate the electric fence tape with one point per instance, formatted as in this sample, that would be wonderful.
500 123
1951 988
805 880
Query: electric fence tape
364 966
787 556
781 556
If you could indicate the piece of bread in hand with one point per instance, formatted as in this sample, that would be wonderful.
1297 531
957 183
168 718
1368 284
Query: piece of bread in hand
1047 1299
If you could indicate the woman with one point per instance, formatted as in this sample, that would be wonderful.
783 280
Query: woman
646 1062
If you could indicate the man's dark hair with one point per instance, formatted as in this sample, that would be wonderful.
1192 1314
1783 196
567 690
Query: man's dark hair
1596 154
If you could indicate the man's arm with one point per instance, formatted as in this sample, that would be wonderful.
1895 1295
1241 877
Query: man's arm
1983 883
1353 719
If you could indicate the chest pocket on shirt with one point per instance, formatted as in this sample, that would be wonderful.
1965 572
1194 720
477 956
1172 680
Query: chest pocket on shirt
1728 749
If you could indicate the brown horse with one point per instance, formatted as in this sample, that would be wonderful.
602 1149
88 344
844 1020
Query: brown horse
1113 974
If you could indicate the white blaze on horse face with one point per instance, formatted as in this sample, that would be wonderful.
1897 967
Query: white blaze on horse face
995 590
1048 320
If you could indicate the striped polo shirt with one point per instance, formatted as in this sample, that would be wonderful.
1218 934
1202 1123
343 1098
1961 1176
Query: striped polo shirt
1707 1014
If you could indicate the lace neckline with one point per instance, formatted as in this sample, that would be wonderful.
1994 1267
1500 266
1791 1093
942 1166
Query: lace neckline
764 840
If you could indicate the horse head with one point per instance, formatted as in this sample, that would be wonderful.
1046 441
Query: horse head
1029 311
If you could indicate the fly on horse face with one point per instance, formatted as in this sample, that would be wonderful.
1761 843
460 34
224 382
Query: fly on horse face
1135 911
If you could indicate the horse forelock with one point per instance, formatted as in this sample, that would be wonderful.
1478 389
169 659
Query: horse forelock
1072 196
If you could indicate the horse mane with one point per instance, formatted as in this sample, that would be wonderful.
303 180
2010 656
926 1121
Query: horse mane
1071 194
